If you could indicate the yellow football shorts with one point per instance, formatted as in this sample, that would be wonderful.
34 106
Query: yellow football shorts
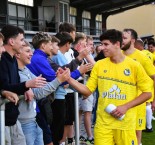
103 136
141 117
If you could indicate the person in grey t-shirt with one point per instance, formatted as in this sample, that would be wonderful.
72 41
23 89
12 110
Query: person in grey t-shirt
32 131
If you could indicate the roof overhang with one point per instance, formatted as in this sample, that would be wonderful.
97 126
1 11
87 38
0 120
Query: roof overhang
108 7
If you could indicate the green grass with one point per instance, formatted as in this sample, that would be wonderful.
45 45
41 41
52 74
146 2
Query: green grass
149 138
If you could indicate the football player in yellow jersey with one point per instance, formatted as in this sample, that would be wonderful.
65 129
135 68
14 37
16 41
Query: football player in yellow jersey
139 44
117 77
129 37
151 47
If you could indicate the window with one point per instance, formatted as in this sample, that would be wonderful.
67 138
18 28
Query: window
12 10
73 14
23 2
98 24
63 7
46 18
86 16
20 16
21 11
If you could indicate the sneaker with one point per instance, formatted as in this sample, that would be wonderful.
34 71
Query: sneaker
82 139
90 142
148 130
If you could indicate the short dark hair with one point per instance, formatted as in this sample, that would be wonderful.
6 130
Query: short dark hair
64 37
10 31
151 43
40 38
112 35
66 27
134 34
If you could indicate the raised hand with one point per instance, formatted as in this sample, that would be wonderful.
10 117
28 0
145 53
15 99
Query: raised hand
37 82
83 54
60 70
63 75
80 47
85 67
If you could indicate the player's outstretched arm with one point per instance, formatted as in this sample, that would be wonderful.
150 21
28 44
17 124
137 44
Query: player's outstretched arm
79 87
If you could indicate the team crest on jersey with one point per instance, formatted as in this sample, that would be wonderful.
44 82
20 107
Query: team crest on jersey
127 72
105 71
114 93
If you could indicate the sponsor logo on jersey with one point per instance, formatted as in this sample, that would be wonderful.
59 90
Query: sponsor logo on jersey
114 93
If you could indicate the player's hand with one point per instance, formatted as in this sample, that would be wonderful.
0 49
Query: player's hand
119 111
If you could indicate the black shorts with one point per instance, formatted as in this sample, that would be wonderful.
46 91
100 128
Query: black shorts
70 109
47 134
57 127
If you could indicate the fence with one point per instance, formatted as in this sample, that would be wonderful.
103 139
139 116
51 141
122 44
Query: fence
2 119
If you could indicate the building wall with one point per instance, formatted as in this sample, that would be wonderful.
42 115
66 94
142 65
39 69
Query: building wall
142 19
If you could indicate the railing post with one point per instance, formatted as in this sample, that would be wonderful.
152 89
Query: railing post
2 124
76 118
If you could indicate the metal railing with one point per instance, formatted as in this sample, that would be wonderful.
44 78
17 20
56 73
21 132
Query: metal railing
31 24
2 119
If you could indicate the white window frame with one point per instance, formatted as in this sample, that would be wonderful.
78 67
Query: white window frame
63 12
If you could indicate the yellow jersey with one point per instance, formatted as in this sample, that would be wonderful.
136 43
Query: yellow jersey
153 53
117 84
150 55
144 61
147 65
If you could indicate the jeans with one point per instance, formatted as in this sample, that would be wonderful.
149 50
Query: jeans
33 133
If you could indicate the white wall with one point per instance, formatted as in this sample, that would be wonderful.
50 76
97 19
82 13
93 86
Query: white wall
142 19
